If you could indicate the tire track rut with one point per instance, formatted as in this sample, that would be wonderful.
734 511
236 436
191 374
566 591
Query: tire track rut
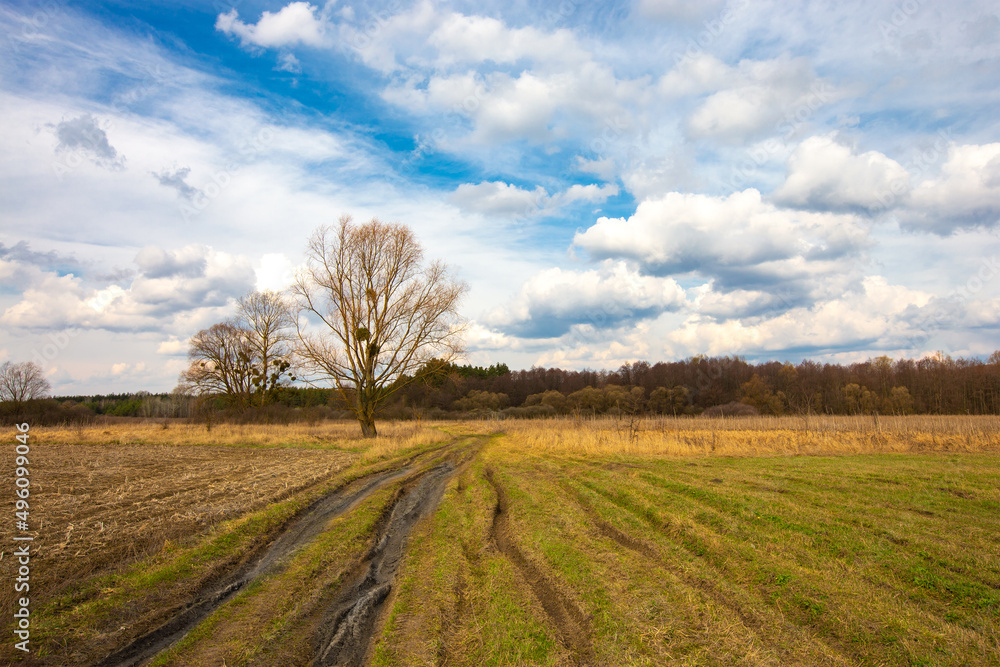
264 561
571 624
345 637
648 551
753 622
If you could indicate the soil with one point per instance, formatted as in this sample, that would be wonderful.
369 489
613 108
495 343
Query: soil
351 623
95 508
352 614
266 561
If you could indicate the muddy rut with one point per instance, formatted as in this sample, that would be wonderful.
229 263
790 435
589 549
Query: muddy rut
352 621
270 560
571 624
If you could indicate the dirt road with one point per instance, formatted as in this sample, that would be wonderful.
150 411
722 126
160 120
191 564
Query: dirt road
352 611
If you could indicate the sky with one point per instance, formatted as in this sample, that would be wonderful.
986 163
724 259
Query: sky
615 181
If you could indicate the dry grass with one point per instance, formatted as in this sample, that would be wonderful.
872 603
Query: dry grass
322 435
880 559
759 436
400 436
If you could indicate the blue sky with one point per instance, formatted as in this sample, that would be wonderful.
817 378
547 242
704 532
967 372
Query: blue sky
615 181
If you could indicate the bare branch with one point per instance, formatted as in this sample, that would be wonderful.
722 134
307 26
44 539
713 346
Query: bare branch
22 382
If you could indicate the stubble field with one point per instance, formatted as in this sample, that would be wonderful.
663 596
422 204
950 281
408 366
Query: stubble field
832 541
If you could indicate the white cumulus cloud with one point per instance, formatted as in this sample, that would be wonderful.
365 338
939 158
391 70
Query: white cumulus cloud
170 285
875 316
825 175
296 23
740 241
552 301
965 194
172 347
461 38
753 97
496 198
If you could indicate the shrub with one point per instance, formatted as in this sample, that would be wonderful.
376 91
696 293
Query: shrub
530 412
731 409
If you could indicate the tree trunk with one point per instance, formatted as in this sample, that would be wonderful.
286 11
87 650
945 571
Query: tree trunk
367 426
366 415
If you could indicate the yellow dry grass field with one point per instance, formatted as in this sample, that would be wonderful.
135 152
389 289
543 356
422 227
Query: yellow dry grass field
584 543
757 436
341 435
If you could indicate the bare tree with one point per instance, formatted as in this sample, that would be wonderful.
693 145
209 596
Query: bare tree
385 312
218 365
20 383
268 321
245 357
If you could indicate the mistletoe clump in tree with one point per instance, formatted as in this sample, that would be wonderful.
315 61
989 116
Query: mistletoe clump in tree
383 311
245 358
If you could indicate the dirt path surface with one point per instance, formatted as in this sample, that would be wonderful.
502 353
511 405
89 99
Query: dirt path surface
346 635
267 561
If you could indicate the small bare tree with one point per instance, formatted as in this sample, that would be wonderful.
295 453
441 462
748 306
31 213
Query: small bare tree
243 358
217 365
269 323
385 312
20 383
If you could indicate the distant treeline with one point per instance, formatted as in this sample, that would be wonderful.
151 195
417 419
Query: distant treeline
699 385
713 385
